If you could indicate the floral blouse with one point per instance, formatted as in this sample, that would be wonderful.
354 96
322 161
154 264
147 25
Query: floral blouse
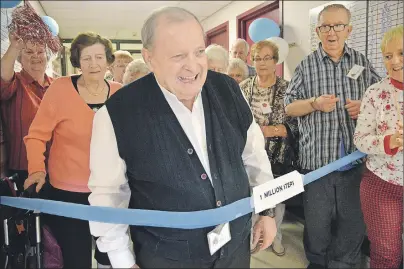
381 109
257 97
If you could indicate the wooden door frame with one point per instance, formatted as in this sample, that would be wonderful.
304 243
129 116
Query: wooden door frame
219 29
258 11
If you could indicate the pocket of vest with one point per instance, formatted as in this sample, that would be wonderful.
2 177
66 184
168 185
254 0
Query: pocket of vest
176 250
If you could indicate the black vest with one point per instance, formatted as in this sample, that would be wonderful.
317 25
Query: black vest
164 171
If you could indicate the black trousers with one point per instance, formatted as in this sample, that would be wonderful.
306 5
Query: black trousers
333 201
73 235
239 259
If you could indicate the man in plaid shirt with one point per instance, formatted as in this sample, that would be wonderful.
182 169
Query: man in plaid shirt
326 99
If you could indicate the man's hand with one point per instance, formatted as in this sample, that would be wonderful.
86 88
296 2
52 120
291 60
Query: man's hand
38 177
353 107
325 103
264 230
396 140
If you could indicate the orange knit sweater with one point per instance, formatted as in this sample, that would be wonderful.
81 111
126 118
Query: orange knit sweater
64 117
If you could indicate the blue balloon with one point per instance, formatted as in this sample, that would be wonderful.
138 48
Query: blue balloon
52 24
263 28
9 4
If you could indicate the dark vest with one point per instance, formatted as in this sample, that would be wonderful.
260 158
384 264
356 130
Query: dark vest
164 171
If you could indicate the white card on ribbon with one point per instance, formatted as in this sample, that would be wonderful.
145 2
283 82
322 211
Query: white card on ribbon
219 237
275 191
355 72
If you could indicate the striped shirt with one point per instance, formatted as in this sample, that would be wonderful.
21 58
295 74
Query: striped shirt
321 134
20 99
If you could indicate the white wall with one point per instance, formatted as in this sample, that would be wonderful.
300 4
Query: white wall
296 29
296 26
229 13
38 8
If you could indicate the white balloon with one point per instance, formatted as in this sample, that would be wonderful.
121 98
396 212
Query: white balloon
283 48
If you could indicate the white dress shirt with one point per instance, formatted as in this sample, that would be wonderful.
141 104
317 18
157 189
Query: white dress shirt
109 184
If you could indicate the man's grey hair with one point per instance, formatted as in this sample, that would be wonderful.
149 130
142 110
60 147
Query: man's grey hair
244 42
136 66
334 7
238 63
217 53
171 14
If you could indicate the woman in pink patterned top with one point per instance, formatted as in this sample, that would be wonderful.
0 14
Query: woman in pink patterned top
379 133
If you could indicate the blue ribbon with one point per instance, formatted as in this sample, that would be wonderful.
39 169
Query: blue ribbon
154 218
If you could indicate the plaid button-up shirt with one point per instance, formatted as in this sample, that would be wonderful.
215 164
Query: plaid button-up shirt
321 134
251 71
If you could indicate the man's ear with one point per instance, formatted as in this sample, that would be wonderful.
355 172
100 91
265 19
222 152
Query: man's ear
147 58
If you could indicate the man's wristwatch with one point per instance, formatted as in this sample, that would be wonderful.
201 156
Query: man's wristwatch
312 100
268 212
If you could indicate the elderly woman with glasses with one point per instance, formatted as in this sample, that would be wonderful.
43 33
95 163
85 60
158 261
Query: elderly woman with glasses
117 68
237 69
135 70
265 93
379 133
218 58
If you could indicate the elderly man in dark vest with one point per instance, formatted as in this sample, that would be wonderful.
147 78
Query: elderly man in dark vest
179 139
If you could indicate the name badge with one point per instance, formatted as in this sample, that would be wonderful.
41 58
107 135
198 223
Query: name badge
219 237
355 72
265 108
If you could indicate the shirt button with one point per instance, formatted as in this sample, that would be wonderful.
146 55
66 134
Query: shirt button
190 151
219 203
215 176
204 176
222 252
210 147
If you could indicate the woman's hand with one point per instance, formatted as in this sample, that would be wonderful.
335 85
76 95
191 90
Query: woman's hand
396 140
35 178
274 130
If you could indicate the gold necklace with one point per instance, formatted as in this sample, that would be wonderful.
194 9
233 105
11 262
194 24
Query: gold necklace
90 92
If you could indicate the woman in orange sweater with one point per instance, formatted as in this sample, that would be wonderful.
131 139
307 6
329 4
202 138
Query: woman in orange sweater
66 116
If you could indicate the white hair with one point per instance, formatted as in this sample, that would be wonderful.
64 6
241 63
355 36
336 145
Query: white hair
171 14
217 53
122 54
136 66
244 42
238 63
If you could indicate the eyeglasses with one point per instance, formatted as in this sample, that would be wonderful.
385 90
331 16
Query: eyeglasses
336 27
266 59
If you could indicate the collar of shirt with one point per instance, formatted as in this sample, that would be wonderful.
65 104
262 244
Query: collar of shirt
29 79
397 84
322 54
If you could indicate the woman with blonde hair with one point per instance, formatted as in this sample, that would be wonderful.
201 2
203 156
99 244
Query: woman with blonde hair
237 69
264 93
135 70
218 58
379 133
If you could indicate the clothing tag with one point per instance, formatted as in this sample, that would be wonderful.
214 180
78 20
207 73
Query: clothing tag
265 108
355 72
219 237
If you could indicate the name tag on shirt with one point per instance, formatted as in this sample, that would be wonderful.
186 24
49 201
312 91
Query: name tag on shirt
265 108
219 237
355 72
